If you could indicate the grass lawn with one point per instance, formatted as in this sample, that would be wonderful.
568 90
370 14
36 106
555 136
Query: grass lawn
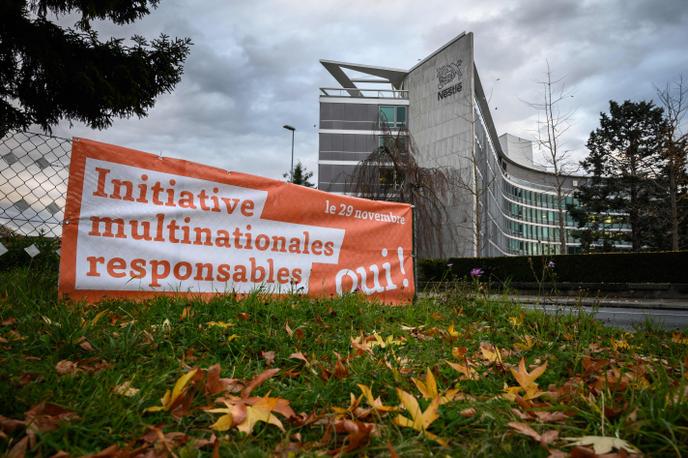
441 377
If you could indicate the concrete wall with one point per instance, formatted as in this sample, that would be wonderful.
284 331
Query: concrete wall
441 124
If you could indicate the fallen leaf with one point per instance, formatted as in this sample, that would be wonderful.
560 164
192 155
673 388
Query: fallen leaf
420 421
186 313
214 384
526 379
244 316
428 388
468 413
125 389
46 417
468 372
601 444
66 367
257 381
8 321
544 439
679 338
453 334
459 352
550 417
490 353
234 413
619 344
172 398
85 344
261 411
299 356
526 344
268 356
19 449
373 402
219 324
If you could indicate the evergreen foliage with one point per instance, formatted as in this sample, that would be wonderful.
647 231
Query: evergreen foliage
49 72
302 176
625 164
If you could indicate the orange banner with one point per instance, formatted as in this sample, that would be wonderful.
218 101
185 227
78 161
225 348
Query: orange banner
139 225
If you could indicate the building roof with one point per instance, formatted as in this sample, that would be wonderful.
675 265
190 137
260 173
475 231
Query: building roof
394 76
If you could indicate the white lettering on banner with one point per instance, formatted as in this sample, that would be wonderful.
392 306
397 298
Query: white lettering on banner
359 277
172 232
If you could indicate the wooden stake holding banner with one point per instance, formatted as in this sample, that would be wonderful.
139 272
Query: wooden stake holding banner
138 225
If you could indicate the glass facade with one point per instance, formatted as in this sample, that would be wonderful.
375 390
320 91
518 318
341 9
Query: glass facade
393 117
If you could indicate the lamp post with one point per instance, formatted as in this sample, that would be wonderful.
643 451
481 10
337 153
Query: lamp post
291 173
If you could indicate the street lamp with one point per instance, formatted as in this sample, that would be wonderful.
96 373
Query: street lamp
291 173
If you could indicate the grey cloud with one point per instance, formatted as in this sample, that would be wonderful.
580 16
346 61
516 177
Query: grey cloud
254 65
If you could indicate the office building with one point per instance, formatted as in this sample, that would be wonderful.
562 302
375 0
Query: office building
508 204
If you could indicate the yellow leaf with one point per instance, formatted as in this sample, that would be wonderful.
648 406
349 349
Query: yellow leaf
383 343
169 398
219 324
223 423
260 411
517 321
525 345
527 379
98 316
468 372
420 421
354 402
373 402
232 337
679 338
428 388
451 331
490 353
620 344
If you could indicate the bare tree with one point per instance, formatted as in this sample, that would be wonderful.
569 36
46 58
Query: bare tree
674 100
550 131
392 173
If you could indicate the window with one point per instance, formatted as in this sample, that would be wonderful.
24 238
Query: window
393 116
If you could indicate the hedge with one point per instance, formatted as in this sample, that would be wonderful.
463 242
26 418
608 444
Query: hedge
661 267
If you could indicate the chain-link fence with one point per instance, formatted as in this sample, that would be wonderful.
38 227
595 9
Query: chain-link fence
33 184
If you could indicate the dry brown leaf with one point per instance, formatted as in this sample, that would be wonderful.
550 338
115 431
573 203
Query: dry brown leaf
126 389
269 357
467 372
66 367
468 412
19 449
8 321
258 380
550 417
544 439
46 417
85 344
300 356
244 316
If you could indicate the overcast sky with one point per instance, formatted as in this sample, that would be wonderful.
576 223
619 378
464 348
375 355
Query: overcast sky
254 66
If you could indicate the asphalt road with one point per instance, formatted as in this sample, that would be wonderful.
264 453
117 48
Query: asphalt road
626 318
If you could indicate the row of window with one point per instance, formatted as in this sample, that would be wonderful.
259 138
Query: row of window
537 199
520 247
535 215
536 233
